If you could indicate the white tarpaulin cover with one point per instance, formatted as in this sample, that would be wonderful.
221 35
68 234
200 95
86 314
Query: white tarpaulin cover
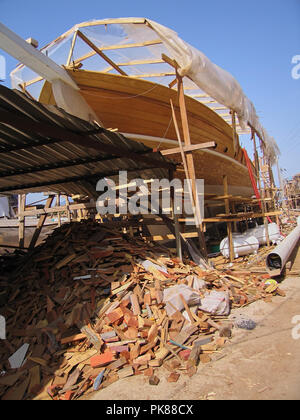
4 207
113 36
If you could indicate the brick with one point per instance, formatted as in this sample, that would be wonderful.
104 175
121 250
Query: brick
154 380
115 315
101 359
147 299
125 372
135 304
155 362
159 296
131 321
108 334
125 354
149 372
184 354
204 358
173 377
135 351
141 360
76 337
131 333
118 349
117 364
68 395
152 334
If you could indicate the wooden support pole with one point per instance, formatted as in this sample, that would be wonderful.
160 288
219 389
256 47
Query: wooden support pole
256 163
58 214
190 160
99 52
71 49
21 209
40 224
229 224
67 207
235 139
190 148
234 223
176 220
262 193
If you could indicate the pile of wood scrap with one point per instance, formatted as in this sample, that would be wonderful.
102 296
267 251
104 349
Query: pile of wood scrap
89 307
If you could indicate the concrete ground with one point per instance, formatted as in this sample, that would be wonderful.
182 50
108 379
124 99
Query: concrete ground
261 364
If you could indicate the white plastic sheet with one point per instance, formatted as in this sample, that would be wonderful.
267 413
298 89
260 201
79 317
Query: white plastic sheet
4 207
201 73
171 294
216 303
216 82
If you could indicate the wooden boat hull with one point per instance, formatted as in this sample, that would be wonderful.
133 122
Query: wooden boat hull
142 110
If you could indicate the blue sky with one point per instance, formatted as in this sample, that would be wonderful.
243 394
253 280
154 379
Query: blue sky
253 40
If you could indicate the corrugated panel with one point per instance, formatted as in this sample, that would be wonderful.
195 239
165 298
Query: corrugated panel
43 147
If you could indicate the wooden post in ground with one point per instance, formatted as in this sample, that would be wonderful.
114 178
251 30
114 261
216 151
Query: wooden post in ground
190 160
21 209
229 224
256 162
273 189
41 223
58 214
235 135
233 209
67 207
262 194
176 221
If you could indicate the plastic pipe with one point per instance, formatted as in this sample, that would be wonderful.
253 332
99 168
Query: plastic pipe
277 259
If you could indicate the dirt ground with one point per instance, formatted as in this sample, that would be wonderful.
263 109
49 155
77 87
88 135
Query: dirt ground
261 364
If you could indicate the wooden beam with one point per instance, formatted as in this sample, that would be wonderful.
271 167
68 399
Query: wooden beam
58 215
239 218
40 224
229 224
32 81
99 52
235 137
218 108
21 209
212 101
149 75
176 221
139 62
173 83
190 148
71 49
67 207
190 161
171 236
200 95
112 21
17 47
118 47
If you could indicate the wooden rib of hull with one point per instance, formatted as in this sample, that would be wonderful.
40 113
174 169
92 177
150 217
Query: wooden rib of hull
143 108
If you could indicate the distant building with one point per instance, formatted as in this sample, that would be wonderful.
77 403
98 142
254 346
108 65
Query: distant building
292 192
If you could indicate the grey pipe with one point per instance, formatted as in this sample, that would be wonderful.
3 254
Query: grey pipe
277 259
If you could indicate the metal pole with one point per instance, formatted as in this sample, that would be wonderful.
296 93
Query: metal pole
277 259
